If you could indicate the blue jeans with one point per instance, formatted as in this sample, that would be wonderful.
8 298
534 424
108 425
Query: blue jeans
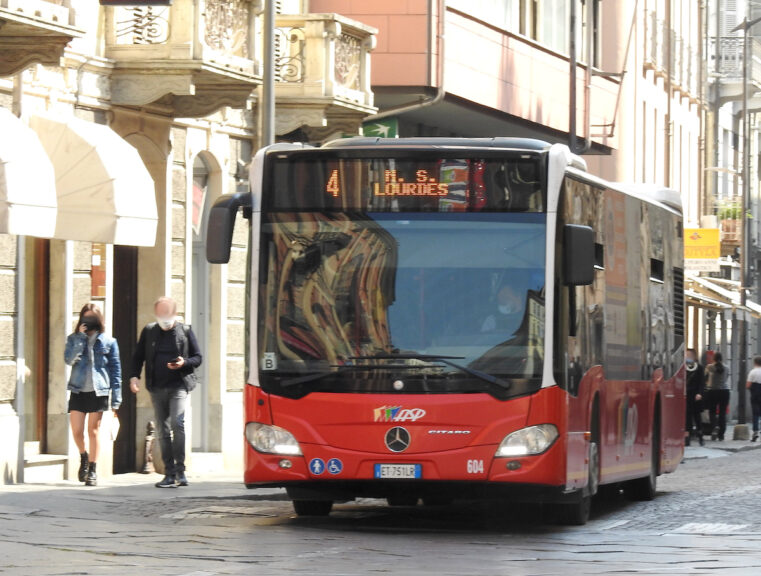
169 405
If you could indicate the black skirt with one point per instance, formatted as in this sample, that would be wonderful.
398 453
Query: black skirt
88 402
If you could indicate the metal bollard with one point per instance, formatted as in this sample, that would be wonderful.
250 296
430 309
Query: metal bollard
150 436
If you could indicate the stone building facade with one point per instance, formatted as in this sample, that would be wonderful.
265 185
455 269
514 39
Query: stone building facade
179 84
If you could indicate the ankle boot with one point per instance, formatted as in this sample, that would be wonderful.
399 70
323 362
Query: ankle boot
84 463
92 476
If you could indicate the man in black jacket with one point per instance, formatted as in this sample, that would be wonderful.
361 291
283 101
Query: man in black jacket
694 395
170 353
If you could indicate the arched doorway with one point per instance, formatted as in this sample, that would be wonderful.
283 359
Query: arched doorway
136 284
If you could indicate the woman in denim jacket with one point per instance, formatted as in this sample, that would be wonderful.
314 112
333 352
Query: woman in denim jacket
95 371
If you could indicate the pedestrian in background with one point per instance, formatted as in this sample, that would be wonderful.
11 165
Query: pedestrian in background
170 352
754 385
717 395
694 397
96 372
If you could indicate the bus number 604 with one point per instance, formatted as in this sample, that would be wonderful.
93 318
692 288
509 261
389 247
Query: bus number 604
475 466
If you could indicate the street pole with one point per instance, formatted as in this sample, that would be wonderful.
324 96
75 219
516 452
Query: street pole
741 431
743 343
267 136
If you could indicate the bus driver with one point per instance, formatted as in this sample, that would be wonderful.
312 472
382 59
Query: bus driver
509 313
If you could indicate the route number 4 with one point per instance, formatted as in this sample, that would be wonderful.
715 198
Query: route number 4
475 466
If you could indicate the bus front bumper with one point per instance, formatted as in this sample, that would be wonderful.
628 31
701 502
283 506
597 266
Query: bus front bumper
325 472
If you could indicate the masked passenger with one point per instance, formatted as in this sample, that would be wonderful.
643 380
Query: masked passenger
170 352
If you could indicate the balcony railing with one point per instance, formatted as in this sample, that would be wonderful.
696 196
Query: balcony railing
729 52
34 31
326 58
201 52
683 65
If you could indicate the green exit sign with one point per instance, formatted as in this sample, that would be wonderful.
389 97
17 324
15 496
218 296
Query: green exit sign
136 2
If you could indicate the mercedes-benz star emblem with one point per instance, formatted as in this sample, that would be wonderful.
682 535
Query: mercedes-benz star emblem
397 439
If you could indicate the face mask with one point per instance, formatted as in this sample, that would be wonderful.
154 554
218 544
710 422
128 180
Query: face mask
165 323
690 362
507 309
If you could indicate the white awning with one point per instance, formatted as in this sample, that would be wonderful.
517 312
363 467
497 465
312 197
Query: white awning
27 181
105 193
731 297
711 302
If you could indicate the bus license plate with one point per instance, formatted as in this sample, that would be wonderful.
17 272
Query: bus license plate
403 471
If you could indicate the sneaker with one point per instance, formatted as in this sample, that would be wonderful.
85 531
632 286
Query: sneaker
182 480
167 482
92 476
84 465
755 437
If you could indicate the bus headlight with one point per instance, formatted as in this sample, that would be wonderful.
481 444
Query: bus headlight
271 440
528 441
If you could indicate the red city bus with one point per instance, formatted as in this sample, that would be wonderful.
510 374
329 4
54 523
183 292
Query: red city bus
457 318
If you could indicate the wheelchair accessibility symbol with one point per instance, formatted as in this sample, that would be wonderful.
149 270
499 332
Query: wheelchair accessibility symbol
335 466
316 466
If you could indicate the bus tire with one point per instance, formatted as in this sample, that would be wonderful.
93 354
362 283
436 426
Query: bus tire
312 507
644 489
577 513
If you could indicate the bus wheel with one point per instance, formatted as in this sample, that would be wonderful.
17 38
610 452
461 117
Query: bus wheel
577 513
312 507
643 489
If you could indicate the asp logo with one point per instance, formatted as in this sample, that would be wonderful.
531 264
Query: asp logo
397 414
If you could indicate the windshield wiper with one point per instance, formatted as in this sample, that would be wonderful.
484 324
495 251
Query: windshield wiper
311 377
444 360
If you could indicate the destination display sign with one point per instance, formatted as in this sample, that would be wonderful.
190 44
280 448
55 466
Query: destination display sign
510 184
424 184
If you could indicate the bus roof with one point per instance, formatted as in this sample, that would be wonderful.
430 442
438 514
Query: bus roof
501 142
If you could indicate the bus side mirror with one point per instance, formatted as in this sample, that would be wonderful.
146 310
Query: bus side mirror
578 255
219 234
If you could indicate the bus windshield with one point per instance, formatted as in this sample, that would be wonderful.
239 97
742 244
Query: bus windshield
416 301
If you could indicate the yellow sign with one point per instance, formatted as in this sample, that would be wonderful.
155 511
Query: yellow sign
702 248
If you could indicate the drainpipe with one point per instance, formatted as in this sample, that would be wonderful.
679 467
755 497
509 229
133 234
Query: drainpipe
17 102
440 92
669 95
573 141
590 30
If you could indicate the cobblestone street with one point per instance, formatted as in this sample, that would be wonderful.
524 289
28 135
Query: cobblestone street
704 521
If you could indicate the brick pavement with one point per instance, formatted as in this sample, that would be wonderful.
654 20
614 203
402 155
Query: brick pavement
704 521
